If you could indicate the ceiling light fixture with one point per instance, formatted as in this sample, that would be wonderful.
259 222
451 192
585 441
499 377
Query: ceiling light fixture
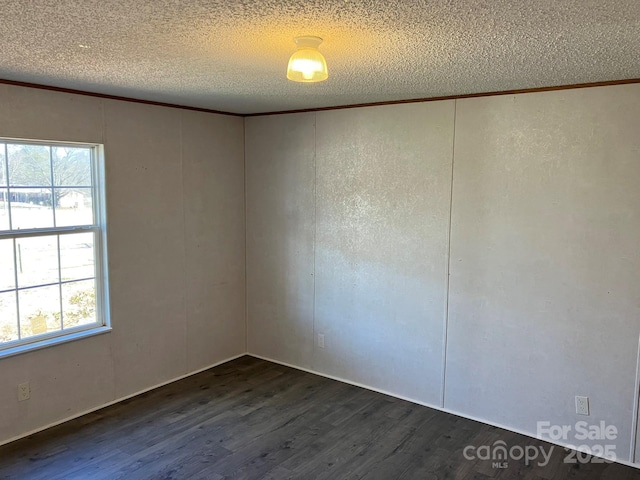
307 64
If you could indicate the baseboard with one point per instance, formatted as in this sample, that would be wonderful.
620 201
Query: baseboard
100 407
355 384
332 377
424 404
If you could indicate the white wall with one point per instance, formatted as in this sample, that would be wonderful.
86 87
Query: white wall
175 206
383 191
544 266
545 259
379 222
280 236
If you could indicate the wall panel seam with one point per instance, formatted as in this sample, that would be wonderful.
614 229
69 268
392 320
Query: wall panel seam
246 226
445 333
315 235
184 248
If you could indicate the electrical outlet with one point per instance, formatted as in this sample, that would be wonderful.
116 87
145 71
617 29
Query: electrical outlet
582 405
24 391
321 340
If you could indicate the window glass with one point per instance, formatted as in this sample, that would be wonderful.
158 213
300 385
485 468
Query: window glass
39 310
37 260
78 303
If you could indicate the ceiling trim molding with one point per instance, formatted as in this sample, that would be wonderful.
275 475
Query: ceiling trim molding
320 109
113 97
456 97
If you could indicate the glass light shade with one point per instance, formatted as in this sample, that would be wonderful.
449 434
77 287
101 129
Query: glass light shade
307 64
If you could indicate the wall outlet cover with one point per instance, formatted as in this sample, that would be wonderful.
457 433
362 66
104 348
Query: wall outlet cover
24 391
582 405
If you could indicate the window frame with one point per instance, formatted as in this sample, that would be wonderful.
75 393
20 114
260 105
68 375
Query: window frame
98 228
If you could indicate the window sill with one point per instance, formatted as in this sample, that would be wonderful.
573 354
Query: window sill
71 337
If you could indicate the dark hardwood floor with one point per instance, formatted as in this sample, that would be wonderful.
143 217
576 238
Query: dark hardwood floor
251 419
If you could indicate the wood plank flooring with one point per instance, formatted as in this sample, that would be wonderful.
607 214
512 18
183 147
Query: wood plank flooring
251 419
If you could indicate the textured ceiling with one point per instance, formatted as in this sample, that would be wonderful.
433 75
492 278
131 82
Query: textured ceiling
232 55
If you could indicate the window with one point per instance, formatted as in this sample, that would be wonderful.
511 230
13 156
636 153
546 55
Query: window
53 284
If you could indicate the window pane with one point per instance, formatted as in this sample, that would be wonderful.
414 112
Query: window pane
39 310
29 165
7 275
4 209
72 166
78 303
31 208
8 317
3 172
76 256
37 260
73 207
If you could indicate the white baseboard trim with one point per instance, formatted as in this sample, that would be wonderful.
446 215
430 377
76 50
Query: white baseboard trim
314 372
355 384
99 407
424 404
